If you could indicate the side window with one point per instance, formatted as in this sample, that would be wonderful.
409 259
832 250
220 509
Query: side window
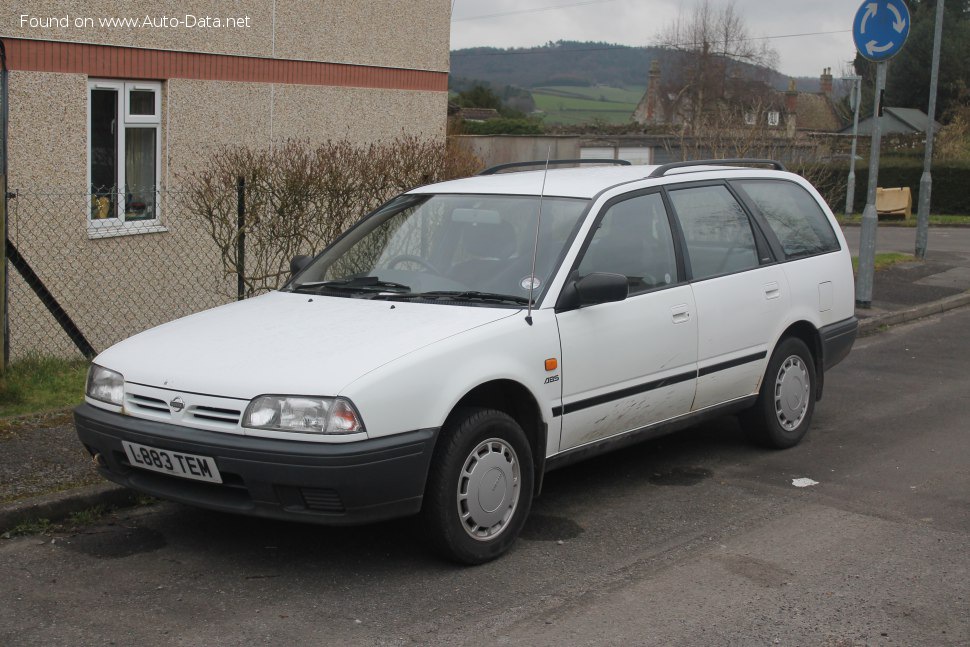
794 215
716 230
634 239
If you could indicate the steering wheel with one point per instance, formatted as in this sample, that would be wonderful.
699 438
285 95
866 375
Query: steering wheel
410 258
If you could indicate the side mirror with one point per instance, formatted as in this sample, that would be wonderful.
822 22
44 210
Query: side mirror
298 263
592 289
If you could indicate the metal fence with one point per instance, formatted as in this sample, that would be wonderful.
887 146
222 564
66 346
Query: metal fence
87 270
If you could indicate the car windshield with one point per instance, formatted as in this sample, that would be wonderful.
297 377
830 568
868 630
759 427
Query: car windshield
464 247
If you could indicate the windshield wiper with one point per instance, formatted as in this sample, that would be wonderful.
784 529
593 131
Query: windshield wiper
462 295
359 284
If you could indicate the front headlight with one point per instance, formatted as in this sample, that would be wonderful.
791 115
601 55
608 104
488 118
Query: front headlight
302 415
105 385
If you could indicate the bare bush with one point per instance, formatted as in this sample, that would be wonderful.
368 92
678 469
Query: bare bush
299 197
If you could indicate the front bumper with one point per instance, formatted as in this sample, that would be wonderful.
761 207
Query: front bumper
334 484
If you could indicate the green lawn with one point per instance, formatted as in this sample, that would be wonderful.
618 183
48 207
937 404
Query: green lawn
577 105
885 260
939 220
39 385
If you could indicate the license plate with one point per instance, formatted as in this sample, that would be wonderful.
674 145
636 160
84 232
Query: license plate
189 466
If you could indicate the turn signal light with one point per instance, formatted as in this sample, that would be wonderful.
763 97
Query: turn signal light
552 364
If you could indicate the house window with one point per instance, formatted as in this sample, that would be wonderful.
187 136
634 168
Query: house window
124 123
749 119
774 118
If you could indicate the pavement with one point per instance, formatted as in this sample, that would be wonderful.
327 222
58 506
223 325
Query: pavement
46 474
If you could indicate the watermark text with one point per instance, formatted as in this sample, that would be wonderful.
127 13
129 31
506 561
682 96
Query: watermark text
184 21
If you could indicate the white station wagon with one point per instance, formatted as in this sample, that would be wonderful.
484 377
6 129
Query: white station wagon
469 336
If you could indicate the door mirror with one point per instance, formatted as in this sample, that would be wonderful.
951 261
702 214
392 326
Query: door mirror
298 263
592 289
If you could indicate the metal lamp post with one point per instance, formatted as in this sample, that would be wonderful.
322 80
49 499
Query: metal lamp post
855 100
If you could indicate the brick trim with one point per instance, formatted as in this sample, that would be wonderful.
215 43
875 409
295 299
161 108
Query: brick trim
109 61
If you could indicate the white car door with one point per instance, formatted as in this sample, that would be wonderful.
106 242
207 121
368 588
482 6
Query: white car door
631 363
742 296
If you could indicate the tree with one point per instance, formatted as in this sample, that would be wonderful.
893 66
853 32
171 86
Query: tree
712 50
479 96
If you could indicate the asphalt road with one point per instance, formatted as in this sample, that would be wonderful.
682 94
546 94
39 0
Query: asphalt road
696 539
945 240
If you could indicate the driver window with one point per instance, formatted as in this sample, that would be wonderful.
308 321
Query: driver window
634 239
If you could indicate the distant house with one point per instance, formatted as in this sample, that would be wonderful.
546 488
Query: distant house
789 112
897 121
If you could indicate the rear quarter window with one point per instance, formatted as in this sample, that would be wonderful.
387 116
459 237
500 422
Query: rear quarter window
793 214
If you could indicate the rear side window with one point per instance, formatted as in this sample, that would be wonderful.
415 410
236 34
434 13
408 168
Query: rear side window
794 216
716 230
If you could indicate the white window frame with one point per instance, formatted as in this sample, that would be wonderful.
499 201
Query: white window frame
143 119
116 225
774 118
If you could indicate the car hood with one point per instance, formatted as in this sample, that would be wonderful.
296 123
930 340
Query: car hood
286 343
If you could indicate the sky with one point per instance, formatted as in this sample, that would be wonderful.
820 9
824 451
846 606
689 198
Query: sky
523 23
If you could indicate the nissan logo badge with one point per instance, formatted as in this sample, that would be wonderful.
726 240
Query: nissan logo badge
177 404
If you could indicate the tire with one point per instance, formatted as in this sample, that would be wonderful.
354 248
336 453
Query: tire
479 489
783 412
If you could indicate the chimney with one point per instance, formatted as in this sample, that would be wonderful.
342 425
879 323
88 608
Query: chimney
653 90
825 81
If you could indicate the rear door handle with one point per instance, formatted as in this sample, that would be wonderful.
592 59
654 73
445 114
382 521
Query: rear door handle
680 313
772 291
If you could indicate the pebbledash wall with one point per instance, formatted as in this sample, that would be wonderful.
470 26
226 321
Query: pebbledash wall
250 72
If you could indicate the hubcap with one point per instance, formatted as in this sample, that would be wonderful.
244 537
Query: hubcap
488 489
792 393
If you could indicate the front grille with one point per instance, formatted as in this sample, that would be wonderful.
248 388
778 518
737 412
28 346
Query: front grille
322 499
216 414
147 403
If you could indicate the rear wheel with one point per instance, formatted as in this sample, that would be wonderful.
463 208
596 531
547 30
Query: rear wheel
783 412
480 487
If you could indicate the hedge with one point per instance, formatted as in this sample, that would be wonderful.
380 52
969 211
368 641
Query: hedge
951 184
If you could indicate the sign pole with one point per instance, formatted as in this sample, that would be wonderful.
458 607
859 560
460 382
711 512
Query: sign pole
879 30
850 184
926 181
870 219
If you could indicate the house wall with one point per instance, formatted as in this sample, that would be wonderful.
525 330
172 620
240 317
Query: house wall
364 71
394 33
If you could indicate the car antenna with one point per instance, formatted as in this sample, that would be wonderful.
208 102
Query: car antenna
535 249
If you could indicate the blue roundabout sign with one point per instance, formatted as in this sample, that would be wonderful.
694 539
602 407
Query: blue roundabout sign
880 28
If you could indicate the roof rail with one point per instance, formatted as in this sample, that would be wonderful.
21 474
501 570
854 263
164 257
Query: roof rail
661 170
501 167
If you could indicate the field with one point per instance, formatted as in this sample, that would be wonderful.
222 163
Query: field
570 105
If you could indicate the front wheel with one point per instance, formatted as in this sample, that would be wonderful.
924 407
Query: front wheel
480 487
783 412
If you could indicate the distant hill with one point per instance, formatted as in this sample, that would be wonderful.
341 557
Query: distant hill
573 83
570 63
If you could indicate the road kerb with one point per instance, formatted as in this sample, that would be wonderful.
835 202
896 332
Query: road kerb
871 325
60 505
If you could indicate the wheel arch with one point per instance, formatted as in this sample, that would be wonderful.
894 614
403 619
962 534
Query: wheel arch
517 401
808 333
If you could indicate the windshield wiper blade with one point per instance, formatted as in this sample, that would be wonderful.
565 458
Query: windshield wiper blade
463 295
359 283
